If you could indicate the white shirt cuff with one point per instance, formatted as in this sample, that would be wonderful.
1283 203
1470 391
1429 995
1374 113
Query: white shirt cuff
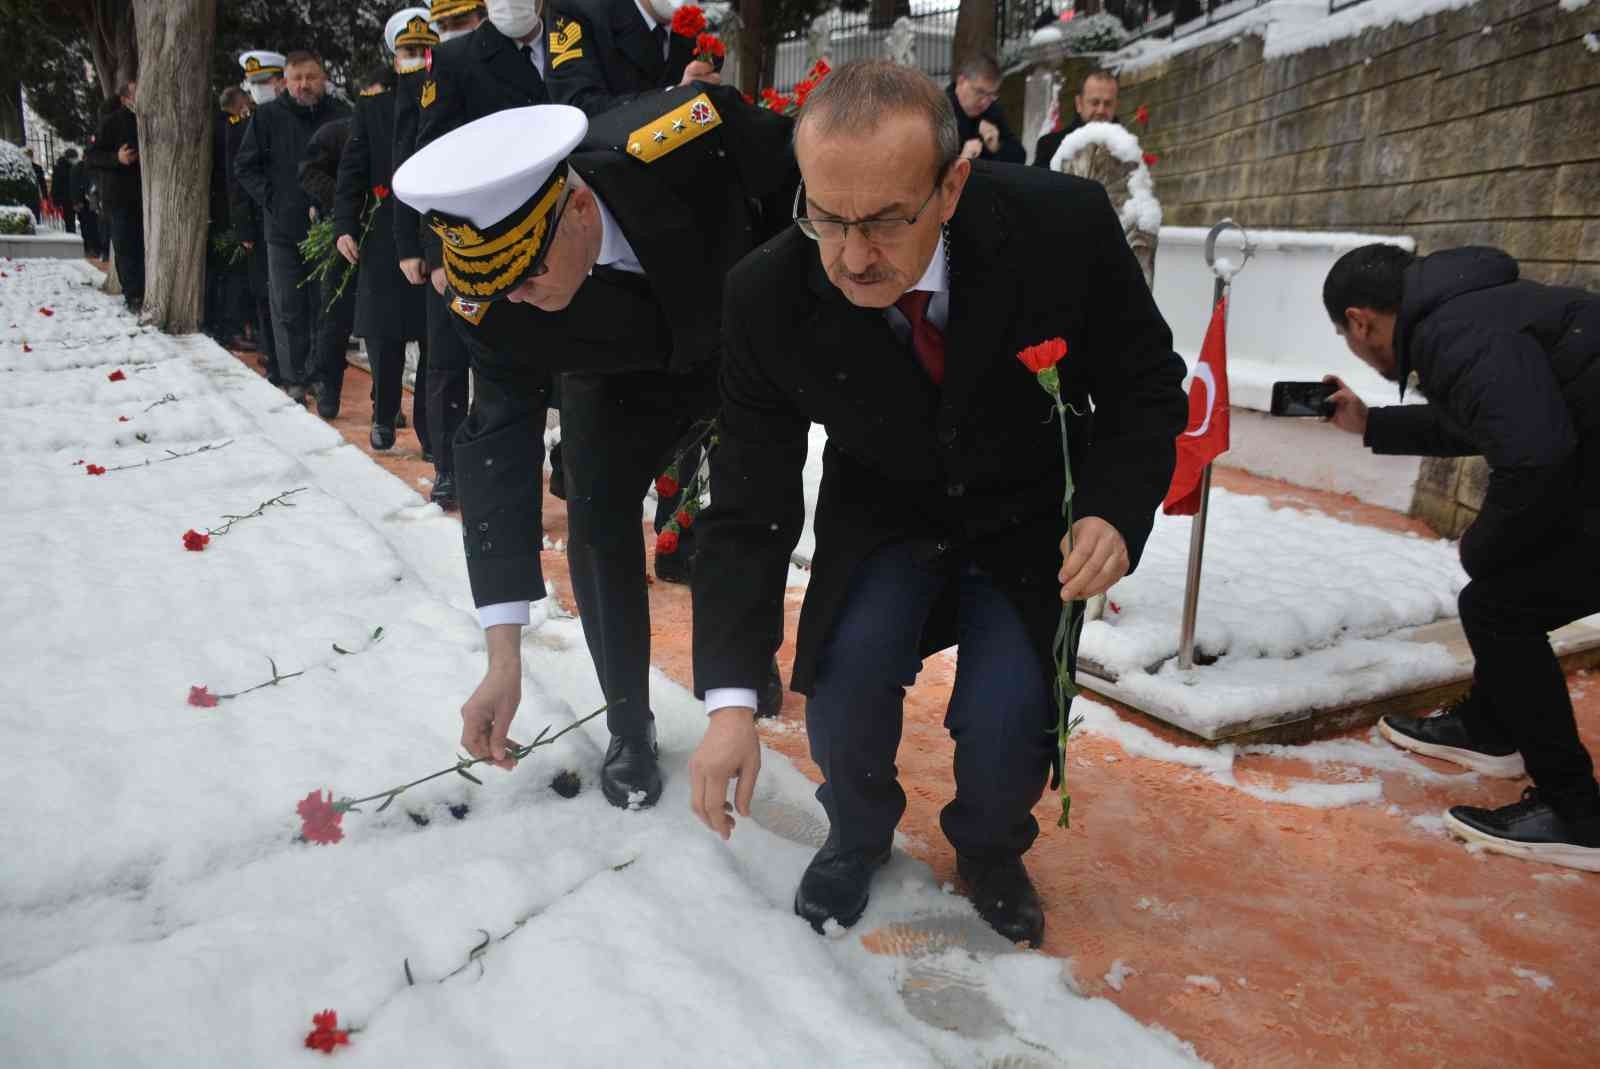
726 697
503 612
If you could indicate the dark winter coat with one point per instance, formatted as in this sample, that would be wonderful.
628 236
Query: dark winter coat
1011 150
1511 371
120 187
970 471
61 182
602 55
221 211
387 306
407 117
1044 149
268 161
319 169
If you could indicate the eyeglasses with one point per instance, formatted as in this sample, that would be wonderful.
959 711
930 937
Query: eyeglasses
885 231
985 94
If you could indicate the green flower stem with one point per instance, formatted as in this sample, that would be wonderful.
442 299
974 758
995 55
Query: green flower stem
1065 647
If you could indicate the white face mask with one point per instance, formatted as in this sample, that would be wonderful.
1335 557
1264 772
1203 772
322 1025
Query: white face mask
514 18
404 65
260 92
451 35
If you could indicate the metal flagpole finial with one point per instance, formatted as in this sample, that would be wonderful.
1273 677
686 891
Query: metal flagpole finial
1225 268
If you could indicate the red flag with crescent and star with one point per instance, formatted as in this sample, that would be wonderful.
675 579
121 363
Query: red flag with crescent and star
1206 437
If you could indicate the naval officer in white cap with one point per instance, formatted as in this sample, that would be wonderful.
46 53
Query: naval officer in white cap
596 249
263 74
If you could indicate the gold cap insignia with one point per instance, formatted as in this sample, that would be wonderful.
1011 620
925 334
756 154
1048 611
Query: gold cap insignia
484 264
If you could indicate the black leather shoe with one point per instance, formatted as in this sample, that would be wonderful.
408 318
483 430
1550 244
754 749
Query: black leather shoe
427 456
770 702
296 392
327 408
677 566
1004 896
444 490
835 885
1446 736
1531 829
630 777
400 421
382 437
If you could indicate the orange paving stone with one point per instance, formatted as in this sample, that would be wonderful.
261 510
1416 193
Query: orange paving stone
1340 937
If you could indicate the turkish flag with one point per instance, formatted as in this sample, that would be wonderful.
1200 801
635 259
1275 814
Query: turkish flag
1206 437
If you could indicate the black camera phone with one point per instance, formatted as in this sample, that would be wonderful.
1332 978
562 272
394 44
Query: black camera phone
1303 399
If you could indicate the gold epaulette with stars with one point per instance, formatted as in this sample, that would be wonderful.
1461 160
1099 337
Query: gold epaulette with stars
565 37
673 130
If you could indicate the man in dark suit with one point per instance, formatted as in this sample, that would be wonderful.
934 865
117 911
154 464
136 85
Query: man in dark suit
606 52
892 314
980 124
616 280
493 68
1095 102
115 154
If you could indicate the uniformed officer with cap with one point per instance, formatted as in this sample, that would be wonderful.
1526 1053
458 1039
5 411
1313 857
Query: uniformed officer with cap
389 311
596 248
263 80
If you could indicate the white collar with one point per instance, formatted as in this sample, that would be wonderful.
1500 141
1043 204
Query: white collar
650 22
934 279
614 248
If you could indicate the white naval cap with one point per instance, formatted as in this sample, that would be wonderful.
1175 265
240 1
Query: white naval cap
260 64
413 22
487 169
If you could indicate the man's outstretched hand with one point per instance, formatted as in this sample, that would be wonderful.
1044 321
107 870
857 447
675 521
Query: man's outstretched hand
730 749
1098 559
487 715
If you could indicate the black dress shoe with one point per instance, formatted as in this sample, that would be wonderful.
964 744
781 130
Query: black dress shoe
427 456
296 392
1004 896
1447 737
400 421
834 886
677 566
630 777
770 702
328 407
444 490
1531 829
382 437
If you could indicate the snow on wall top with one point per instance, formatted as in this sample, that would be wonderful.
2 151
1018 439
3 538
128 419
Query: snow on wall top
1290 26
1141 209
13 164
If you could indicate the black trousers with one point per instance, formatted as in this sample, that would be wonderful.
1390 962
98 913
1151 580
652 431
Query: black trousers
334 323
419 400
445 386
93 240
618 432
1521 690
127 246
388 357
294 311
69 217
1001 712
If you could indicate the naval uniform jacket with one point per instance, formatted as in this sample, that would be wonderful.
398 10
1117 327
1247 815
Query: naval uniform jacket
602 54
972 470
387 306
407 115
472 76
689 215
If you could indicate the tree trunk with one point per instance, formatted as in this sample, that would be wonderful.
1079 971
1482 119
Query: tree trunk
975 31
174 107
751 45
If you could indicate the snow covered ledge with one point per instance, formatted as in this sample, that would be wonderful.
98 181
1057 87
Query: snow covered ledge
1278 330
49 245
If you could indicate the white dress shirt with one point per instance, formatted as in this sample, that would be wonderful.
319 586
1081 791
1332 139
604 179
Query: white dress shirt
536 50
935 279
615 252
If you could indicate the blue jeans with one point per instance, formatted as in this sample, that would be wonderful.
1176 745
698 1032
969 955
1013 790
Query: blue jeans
1000 713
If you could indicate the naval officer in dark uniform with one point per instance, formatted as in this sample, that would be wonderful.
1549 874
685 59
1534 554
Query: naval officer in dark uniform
606 52
606 264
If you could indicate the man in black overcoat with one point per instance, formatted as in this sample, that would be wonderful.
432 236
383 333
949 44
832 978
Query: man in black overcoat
892 314
114 153
263 75
1511 372
477 74
661 197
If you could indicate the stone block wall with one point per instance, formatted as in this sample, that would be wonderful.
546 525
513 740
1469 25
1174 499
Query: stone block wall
1479 126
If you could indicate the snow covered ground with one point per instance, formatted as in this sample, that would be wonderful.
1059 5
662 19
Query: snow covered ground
157 905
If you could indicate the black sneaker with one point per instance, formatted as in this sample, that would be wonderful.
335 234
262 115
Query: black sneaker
1445 736
1532 830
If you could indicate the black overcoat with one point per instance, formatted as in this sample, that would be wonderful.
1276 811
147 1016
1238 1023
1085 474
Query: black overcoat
602 55
973 470
387 306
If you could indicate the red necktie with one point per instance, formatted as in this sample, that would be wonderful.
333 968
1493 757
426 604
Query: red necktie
927 341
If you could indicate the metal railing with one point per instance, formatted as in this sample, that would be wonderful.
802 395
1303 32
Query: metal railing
1179 18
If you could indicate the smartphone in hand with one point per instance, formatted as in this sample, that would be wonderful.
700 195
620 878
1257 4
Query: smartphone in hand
1303 399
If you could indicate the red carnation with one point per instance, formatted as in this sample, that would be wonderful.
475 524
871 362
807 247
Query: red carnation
688 21
319 818
667 543
380 191
1142 116
326 1034
202 697
820 70
1151 159
116 376
194 541
122 419
27 348
1044 356
684 519
47 311
666 485
708 46
95 469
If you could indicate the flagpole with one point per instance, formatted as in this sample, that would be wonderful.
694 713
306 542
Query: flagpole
1197 530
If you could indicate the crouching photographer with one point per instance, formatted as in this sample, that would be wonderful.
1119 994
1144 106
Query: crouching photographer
1511 372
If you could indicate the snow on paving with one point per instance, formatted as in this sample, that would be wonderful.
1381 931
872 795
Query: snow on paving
158 906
